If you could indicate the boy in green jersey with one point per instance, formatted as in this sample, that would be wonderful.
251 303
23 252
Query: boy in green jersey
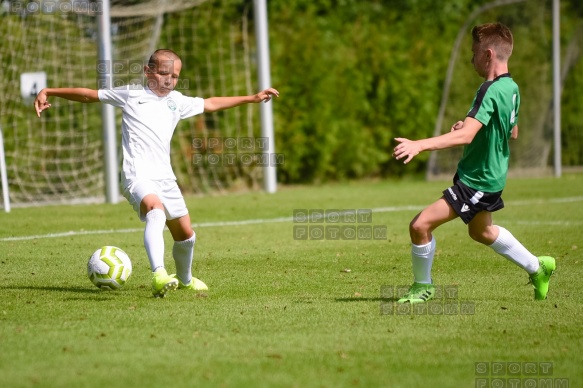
481 173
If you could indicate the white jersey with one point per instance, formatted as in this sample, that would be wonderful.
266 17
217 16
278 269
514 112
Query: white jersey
148 123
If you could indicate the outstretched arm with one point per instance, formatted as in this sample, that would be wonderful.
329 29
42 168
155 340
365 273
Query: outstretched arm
214 104
72 94
461 133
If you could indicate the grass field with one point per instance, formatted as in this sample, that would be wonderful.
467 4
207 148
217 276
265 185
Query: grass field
287 312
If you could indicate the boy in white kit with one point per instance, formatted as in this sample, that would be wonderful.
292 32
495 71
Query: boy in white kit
150 116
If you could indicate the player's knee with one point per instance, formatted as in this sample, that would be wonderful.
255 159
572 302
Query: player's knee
148 208
474 235
478 235
486 235
150 203
185 235
417 228
190 240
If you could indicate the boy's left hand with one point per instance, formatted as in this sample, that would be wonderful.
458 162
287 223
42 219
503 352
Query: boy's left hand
41 103
456 126
267 94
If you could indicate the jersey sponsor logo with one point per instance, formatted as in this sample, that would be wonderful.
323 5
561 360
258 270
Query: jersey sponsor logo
171 104
465 208
142 102
452 194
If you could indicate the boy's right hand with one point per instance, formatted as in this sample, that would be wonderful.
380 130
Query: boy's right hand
40 102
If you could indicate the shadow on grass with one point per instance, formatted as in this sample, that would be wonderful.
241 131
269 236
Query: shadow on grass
88 292
357 299
83 290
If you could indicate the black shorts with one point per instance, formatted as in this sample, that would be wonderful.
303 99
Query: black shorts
468 202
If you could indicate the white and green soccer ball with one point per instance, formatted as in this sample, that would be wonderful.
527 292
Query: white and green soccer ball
109 268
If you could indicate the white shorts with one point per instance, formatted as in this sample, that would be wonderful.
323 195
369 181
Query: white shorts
166 190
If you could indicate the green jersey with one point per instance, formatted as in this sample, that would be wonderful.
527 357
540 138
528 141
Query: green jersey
484 164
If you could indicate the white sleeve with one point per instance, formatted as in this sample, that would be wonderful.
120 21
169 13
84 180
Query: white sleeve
190 106
116 97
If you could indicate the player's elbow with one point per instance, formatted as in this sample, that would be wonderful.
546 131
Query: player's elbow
208 109
466 138
90 95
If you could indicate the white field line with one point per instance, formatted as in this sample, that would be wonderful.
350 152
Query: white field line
548 223
290 219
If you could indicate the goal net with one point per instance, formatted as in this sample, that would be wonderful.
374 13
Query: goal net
59 157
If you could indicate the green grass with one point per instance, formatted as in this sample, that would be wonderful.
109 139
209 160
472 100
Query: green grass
284 312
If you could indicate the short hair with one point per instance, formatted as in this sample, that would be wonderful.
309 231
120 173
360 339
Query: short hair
155 57
496 36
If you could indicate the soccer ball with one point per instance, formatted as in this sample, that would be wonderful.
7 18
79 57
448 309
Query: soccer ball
109 268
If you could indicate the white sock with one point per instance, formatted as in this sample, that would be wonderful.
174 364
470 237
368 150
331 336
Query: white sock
183 253
154 238
422 259
509 247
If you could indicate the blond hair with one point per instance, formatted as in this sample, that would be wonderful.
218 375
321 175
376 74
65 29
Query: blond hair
156 56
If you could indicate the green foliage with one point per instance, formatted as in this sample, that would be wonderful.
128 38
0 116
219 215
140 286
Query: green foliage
572 95
352 78
572 120
355 74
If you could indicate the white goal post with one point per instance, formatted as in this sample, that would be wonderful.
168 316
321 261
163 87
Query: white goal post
264 73
107 111
3 176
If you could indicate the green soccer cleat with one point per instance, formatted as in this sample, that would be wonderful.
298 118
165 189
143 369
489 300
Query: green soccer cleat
195 284
418 293
540 279
162 283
